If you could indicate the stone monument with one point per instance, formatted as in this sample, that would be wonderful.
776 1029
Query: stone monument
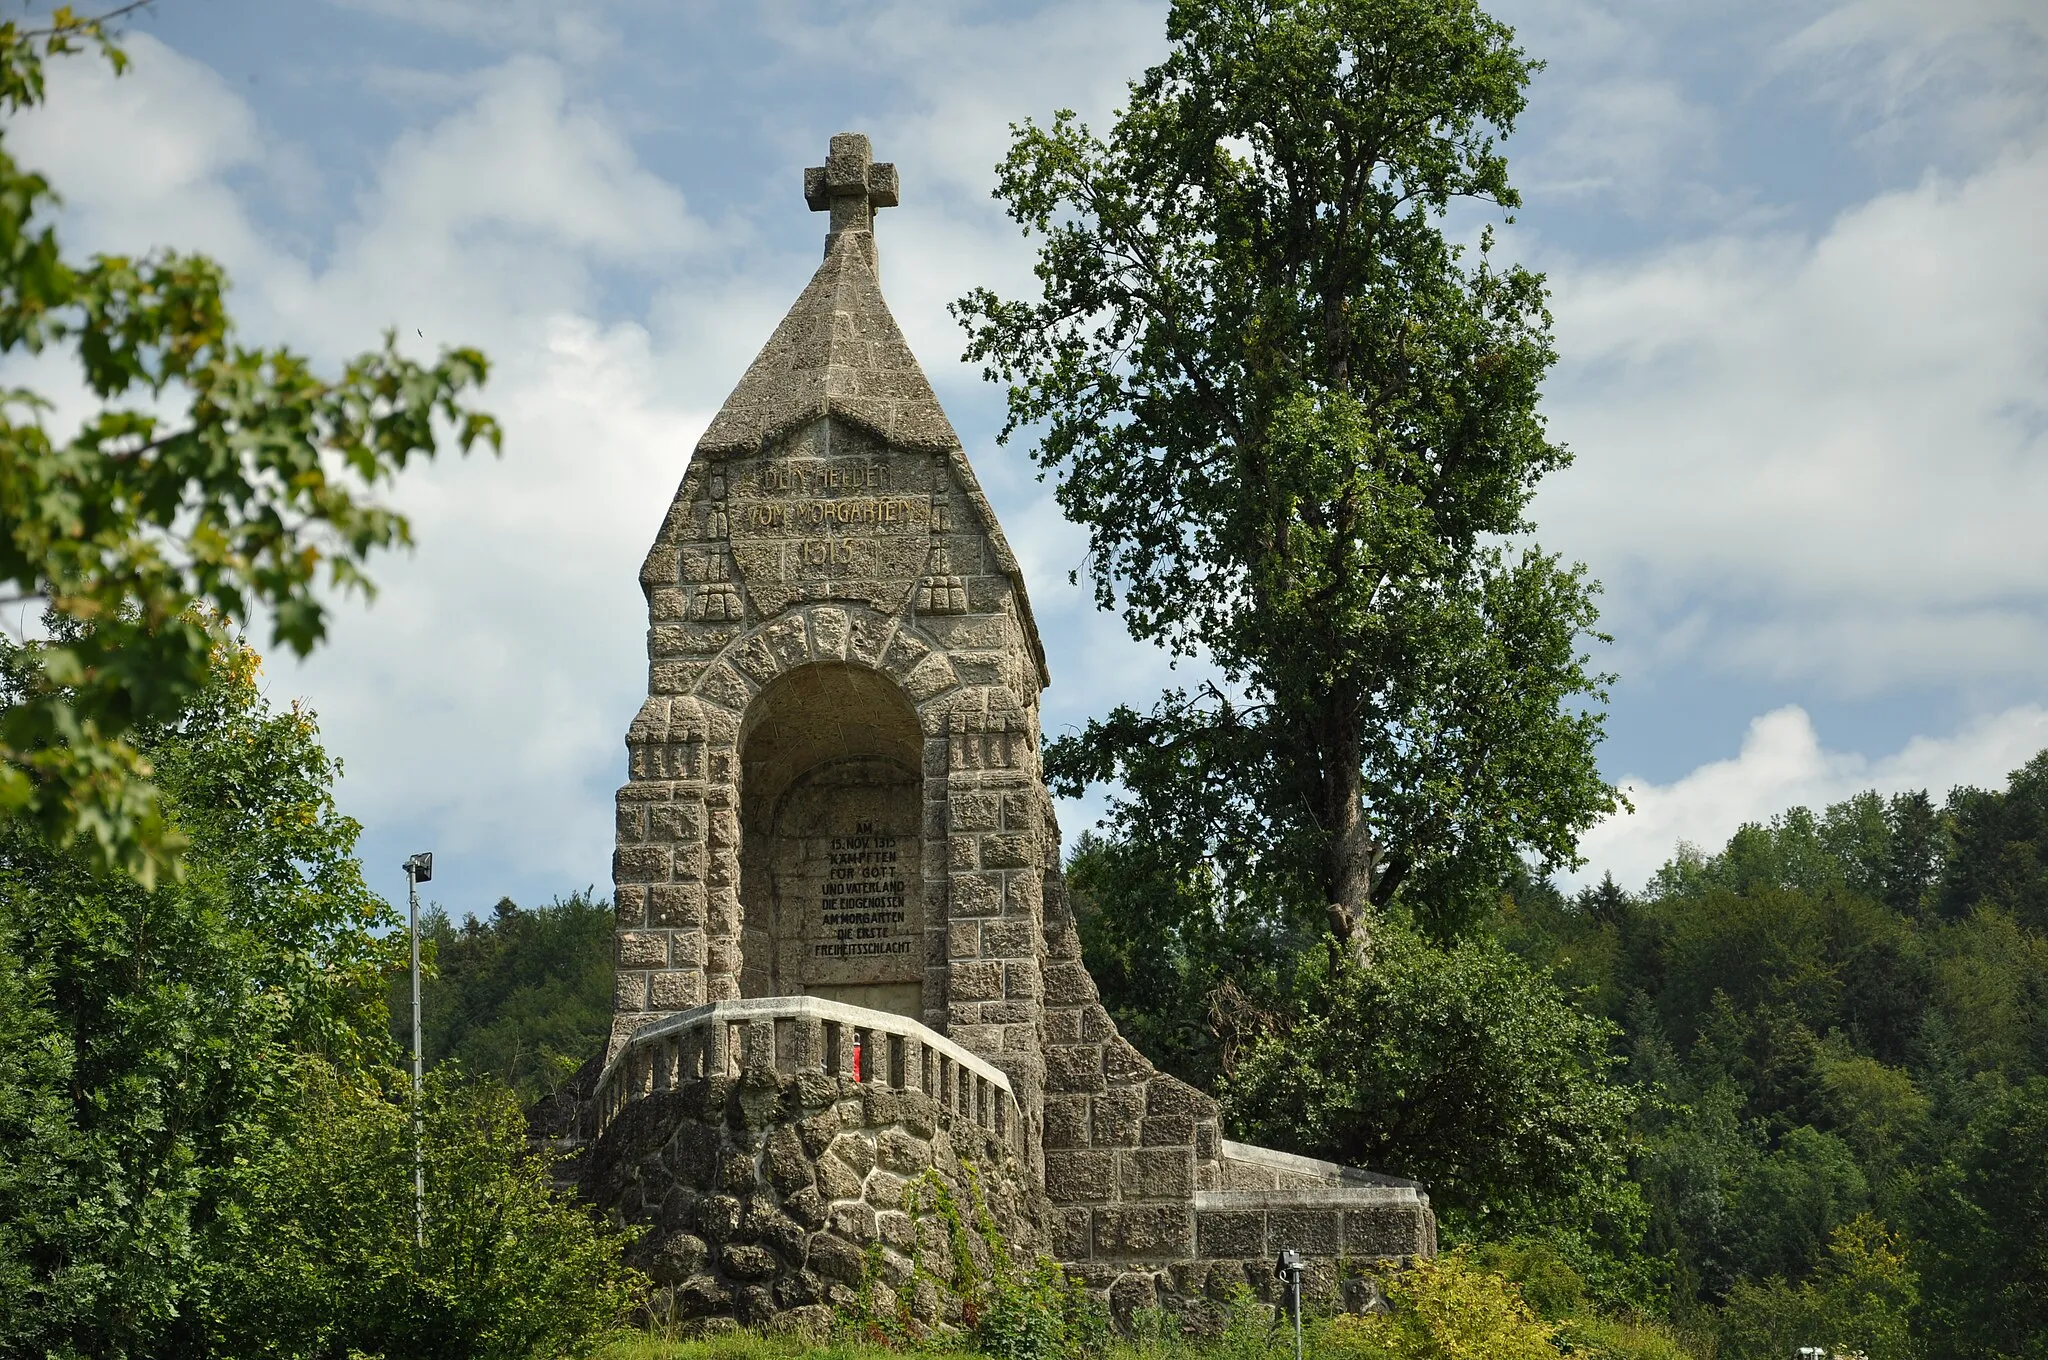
845 954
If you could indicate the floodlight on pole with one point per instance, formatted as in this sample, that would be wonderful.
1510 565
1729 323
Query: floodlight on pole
418 869
1288 1268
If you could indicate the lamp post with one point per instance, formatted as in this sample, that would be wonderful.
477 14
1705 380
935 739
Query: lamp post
418 869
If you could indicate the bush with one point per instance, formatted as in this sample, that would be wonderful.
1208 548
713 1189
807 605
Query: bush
1465 1068
1446 1309
323 1260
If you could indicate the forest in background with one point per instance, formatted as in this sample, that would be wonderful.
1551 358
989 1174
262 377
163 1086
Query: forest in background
1826 1044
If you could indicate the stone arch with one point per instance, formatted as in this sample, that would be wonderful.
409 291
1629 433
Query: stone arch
831 823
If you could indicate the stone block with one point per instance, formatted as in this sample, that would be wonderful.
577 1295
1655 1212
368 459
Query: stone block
1070 1233
1123 1064
643 949
1384 1231
806 1207
1157 1173
897 1151
757 659
974 812
675 822
1008 850
640 864
1080 1177
1063 1026
722 685
856 1150
884 1190
1153 1232
629 907
977 894
675 990
828 632
768 1225
1074 1070
837 1180
1230 1233
718 1217
1009 939
629 992
1167 1130
1021 981
854 1219
1315 1231
835 1258
676 905
679 1256
1068 984
1118 1114
976 981
1066 1121
785 1160
746 1262
1171 1095
963 939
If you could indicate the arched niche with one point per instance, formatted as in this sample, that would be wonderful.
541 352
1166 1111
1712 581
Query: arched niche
831 840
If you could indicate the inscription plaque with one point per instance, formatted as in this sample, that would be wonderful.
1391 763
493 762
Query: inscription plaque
811 522
844 867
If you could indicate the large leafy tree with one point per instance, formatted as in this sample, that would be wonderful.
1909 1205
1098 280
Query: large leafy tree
212 473
150 1035
1466 1069
1299 423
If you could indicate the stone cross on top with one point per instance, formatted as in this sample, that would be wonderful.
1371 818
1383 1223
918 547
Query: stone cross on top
851 186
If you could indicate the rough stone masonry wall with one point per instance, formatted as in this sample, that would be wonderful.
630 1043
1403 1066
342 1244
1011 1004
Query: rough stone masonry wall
1150 1204
731 612
761 1193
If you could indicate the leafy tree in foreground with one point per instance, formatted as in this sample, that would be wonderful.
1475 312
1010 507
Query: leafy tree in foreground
1300 426
241 502
146 1037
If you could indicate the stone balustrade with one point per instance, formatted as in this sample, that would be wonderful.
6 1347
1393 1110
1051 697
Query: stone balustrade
768 1038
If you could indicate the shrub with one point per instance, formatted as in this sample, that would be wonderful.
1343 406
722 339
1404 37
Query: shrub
323 1261
1446 1309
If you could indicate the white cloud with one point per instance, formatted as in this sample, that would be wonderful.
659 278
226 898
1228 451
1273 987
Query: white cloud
1783 765
1838 440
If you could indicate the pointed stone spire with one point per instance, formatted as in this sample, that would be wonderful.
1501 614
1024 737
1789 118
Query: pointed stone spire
838 351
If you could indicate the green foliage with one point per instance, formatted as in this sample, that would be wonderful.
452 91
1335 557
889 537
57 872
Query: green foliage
321 1257
1297 423
524 996
139 528
1838 1018
152 1036
1463 1068
1857 1303
194 1157
1446 1309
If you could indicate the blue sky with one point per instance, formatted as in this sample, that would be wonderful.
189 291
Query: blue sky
1801 288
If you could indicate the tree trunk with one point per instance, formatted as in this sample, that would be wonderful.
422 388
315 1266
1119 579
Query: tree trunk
1351 857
